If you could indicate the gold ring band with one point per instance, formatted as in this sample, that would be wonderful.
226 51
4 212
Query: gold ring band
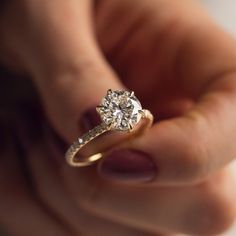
94 133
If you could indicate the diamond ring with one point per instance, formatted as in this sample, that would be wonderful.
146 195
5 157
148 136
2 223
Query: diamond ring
119 111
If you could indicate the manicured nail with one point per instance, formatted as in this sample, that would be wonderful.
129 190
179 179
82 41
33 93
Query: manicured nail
128 165
90 119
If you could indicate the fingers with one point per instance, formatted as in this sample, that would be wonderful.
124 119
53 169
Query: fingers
205 209
21 213
73 75
45 158
182 150
188 148
65 62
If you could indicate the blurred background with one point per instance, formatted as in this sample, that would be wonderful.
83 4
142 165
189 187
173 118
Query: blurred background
223 12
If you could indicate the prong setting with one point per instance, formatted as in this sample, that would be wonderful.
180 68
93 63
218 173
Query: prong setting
142 113
120 110
109 91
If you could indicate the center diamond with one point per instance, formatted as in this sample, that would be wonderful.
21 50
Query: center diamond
120 109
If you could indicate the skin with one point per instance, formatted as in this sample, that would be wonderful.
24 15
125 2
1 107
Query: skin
182 67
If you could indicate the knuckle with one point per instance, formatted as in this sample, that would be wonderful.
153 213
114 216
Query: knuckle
76 71
195 164
195 150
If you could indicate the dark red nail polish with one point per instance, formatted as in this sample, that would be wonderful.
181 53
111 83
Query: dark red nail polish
128 165
90 119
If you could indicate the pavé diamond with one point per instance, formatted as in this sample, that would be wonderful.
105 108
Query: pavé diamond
120 109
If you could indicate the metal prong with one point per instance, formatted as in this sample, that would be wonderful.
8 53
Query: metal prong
98 109
130 127
142 112
131 93
109 91
109 126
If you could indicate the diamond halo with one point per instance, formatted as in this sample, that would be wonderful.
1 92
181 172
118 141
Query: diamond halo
121 110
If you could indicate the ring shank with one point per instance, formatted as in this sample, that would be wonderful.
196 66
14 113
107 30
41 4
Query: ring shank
92 134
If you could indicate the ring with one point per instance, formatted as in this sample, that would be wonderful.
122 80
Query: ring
119 111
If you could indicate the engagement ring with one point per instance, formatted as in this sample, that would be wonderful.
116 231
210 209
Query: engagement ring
119 111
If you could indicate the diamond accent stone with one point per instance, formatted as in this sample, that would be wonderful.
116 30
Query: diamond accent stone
120 110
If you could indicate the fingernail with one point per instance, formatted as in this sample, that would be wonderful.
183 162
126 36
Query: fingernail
90 119
128 165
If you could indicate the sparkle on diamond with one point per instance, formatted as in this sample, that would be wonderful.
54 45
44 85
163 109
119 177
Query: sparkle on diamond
121 109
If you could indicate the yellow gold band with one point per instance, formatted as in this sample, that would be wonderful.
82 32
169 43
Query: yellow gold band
74 149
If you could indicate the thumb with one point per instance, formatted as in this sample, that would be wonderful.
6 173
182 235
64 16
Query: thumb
69 70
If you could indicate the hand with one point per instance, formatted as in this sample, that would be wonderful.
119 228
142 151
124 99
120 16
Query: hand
180 65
